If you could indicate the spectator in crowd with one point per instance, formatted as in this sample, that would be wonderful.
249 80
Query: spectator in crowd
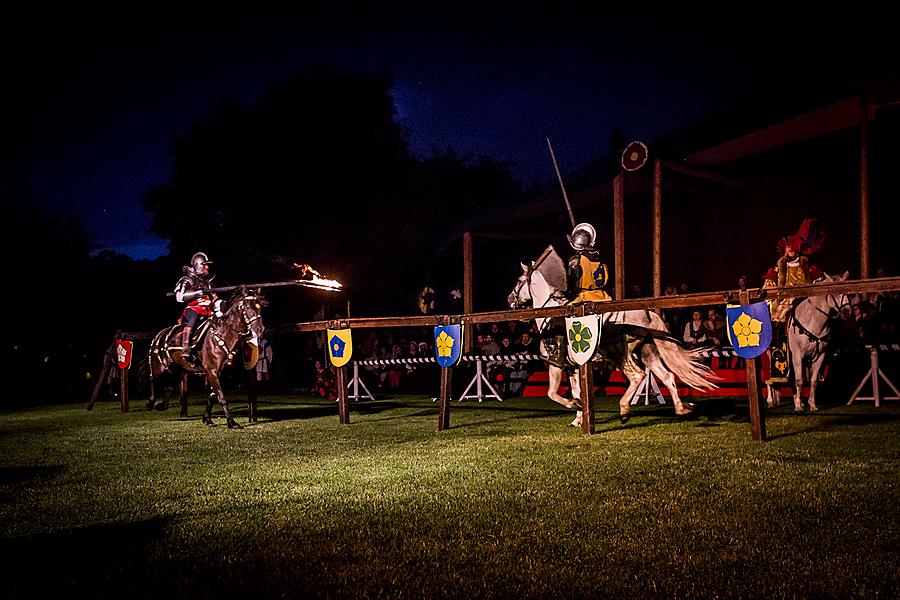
694 330
715 327
325 385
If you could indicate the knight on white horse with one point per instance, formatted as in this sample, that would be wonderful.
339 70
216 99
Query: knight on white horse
800 327
630 341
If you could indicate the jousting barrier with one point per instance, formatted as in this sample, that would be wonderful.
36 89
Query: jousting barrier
585 372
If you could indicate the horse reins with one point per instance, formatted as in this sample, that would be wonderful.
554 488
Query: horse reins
247 321
795 322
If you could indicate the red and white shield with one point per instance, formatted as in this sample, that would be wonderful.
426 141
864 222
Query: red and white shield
123 353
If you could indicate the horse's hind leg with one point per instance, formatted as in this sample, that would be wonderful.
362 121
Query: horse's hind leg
635 376
773 398
652 360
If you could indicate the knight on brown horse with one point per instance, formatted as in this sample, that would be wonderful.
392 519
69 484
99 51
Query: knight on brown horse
194 289
217 341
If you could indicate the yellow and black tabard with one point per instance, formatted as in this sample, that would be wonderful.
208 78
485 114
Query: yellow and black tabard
587 276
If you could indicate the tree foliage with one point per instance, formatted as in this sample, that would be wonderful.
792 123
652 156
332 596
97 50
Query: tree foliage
317 172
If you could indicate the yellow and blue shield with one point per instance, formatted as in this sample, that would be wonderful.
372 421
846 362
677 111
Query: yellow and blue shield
582 335
340 346
749 329
448 344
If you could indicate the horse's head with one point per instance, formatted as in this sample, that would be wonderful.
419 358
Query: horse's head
520 296
245 308
835 304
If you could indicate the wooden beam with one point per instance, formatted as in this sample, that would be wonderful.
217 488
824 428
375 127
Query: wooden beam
701 174
657 227
864 193
619 233
467 288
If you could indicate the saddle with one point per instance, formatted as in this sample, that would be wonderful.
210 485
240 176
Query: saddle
169 340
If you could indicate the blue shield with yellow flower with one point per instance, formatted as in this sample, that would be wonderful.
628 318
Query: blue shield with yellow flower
749 329
582 335
448 344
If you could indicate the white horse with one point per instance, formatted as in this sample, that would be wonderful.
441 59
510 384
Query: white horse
809 334
628 340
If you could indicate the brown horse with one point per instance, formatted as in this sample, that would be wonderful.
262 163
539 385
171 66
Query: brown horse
218 344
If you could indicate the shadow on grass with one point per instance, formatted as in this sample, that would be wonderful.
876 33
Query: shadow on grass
54 561
16 475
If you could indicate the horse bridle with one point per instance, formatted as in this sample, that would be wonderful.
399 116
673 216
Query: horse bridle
528 273
248 320
832 304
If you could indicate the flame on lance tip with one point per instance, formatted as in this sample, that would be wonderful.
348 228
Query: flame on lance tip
308 274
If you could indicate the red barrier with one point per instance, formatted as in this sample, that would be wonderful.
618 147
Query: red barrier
731 371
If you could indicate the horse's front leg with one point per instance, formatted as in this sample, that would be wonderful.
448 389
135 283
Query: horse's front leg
575 388
814 369
213 378
797 364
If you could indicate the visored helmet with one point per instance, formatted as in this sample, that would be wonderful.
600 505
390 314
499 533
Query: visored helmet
198 260
583 236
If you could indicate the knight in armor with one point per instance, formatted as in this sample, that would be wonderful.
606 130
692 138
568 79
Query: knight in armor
586 274
194 289
792 268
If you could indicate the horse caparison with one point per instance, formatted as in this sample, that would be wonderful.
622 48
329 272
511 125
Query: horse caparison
240 321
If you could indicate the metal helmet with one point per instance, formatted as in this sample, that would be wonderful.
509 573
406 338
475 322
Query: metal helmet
583 236
198 260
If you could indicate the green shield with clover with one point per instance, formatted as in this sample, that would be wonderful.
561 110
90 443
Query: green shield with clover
749 329
582 335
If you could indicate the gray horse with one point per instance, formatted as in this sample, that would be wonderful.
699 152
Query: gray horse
809 335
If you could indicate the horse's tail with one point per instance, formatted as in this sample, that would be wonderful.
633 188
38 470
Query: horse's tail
686 364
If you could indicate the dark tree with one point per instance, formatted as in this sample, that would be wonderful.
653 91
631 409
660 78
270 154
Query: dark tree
318 172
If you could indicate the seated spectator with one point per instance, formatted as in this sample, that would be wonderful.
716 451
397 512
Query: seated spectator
715 327
325 383
694 331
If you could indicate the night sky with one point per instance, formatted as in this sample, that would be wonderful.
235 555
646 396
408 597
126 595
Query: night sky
97 100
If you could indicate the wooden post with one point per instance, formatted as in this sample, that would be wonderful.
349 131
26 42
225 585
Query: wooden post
343 405
586 380
864 191
444 412
619 233
757 412
107 364
467 288
123 377
657 228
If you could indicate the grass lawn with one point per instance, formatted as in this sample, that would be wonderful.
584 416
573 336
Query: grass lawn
509 502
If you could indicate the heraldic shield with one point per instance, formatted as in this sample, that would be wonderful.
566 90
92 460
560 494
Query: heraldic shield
749 329
123 353
582 335
340 346
448 344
